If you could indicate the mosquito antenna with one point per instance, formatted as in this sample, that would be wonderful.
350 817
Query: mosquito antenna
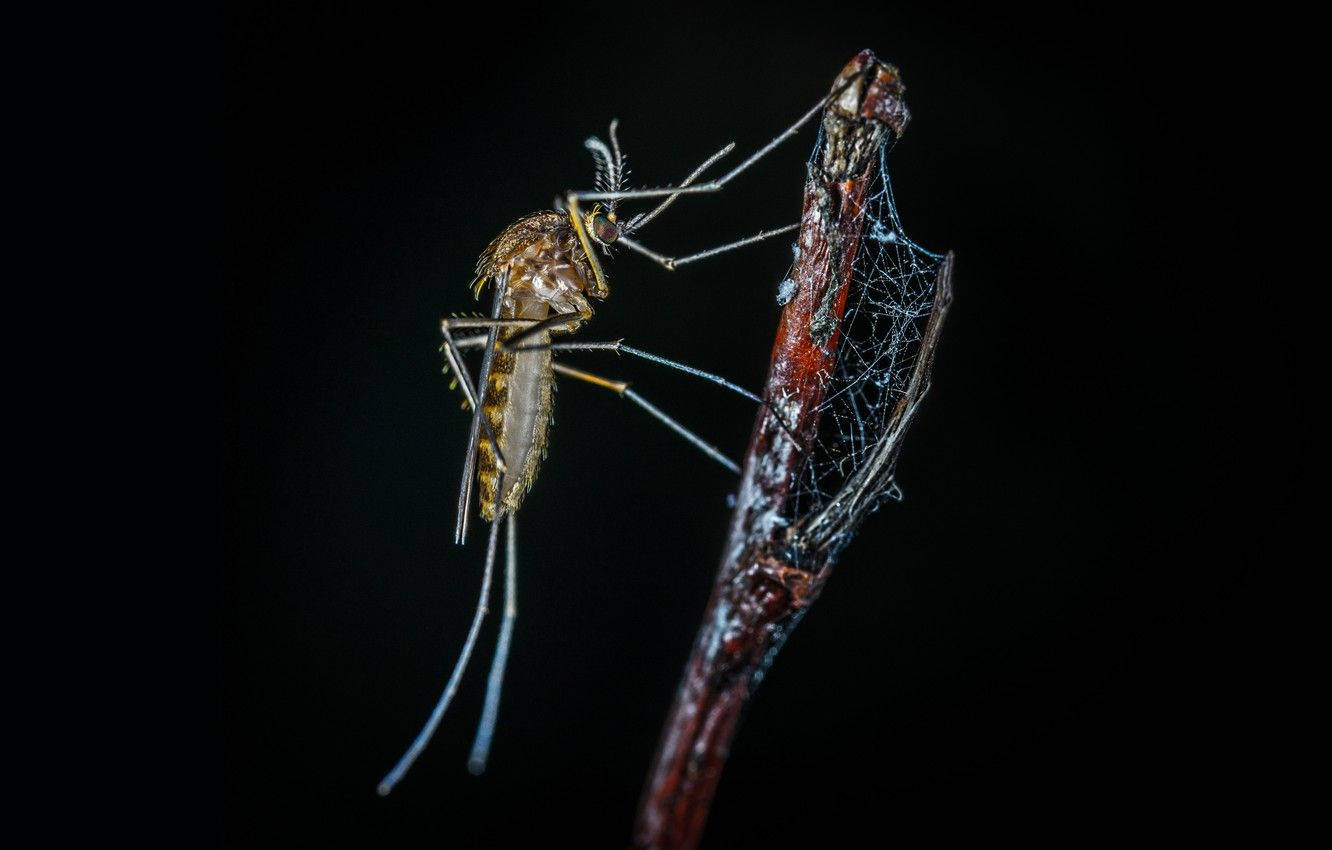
621 170
611 170
605 159
428 730
615 144
485 731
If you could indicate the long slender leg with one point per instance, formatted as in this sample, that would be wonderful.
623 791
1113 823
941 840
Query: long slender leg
571 319
572 198
423 737
451 348
478 322
451 352
485 731
571 346
472 396
622 388
529 326
672 263
618 347
690 370
642 219
470 342
463 344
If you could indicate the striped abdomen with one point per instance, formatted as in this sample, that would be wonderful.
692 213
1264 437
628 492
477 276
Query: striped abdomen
517 403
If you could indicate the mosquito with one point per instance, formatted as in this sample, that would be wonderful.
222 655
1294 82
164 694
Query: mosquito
544 267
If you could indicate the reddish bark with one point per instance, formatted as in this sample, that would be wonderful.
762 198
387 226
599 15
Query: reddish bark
760 592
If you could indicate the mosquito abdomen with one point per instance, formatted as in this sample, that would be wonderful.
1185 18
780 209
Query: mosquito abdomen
517 403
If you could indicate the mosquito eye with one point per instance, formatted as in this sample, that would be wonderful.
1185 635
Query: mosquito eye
604 229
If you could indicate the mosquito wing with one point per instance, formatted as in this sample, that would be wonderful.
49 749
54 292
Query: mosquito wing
474 432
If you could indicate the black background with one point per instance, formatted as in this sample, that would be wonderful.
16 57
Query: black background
996 655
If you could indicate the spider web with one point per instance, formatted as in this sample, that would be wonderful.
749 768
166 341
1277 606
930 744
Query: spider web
890 297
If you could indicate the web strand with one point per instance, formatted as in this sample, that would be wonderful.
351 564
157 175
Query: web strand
891 296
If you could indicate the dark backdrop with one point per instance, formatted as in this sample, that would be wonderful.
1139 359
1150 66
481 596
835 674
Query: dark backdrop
993 655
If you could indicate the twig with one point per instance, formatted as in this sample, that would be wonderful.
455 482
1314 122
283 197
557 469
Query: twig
774 567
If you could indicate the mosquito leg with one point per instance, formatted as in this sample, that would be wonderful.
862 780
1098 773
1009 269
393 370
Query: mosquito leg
642 219
622 388
690 370
423 737
474 432
571 320
618 346
476 763
465 379
470 342
572 199
713 185
480 339
529 326
570 346
456 322
672 263
451 354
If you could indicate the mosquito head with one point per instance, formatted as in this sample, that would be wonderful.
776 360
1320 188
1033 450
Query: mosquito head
599 226
602 225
